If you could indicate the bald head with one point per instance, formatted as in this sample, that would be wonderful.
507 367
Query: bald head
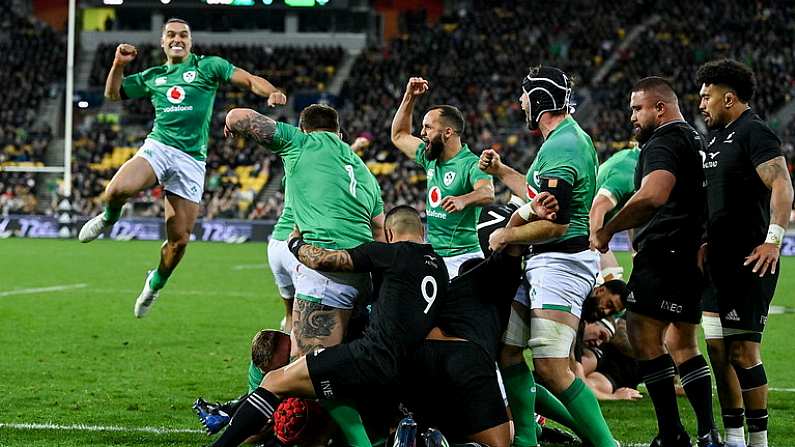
653 103
657 89
402 223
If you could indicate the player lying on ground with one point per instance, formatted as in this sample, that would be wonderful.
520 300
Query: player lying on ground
414 278
411 298
182 92
606 364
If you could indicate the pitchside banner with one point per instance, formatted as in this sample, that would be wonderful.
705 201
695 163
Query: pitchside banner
213 230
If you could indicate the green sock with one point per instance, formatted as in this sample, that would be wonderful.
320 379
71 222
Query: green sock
112 213
349 422
584 408
520 388
158 280
551 407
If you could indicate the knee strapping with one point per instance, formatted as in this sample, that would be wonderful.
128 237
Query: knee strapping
751 378
550 339
712 327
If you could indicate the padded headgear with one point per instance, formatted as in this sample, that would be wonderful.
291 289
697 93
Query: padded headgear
548 89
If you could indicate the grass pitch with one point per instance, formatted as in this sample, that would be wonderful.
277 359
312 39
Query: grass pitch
77 369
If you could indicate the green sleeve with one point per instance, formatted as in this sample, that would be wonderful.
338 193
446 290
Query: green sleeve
286 143
419 157
379 201
476 175
561 169
133 87
220 68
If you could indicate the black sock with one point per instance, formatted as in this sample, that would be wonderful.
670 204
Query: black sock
757 420
251 415
733 417
231 406
697 382
658 375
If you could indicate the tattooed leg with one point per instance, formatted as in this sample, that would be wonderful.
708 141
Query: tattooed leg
317 326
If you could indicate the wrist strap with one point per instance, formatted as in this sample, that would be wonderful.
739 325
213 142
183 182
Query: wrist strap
775 235
295 244
526 210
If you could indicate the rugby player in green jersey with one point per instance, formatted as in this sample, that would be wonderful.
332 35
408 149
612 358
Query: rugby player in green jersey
336 203
456 187
561 270
615 184
182 92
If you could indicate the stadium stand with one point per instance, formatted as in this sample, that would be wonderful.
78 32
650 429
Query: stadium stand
28 50
473 59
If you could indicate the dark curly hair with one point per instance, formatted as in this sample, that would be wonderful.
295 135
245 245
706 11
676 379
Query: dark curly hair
731 73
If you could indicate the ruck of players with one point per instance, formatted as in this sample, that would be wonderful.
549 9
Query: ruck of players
485 315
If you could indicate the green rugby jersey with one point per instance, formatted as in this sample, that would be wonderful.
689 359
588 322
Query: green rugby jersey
617 176
182 96
284 226
333 195
568 154
451 234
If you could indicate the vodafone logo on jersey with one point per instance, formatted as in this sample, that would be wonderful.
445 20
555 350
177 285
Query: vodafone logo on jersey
434 196
175 95
531 192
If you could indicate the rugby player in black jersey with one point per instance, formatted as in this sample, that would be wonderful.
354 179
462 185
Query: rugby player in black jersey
452 381
414 282
749 193
668 212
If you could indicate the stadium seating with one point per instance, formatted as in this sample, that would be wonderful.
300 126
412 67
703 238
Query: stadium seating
28 52
473 59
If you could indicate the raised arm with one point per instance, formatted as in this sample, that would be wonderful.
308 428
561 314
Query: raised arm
401 123
251 125
491 163
125 53
259 86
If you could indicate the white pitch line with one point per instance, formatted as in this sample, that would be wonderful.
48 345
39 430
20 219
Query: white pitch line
177 291
97 428
249 267
42 289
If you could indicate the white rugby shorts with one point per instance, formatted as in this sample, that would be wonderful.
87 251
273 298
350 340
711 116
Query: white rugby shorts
178 172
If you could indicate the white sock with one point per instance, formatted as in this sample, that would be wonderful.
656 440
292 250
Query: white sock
757 438
735 437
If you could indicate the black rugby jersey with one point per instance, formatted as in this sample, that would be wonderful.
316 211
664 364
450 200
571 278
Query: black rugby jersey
738 200
678 225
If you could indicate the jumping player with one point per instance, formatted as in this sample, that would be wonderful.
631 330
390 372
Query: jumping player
182 92
456 187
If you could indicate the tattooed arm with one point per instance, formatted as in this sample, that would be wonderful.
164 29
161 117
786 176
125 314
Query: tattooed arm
320 259
775 176
251 125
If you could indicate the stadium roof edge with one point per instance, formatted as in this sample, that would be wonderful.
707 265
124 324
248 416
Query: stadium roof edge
353 42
